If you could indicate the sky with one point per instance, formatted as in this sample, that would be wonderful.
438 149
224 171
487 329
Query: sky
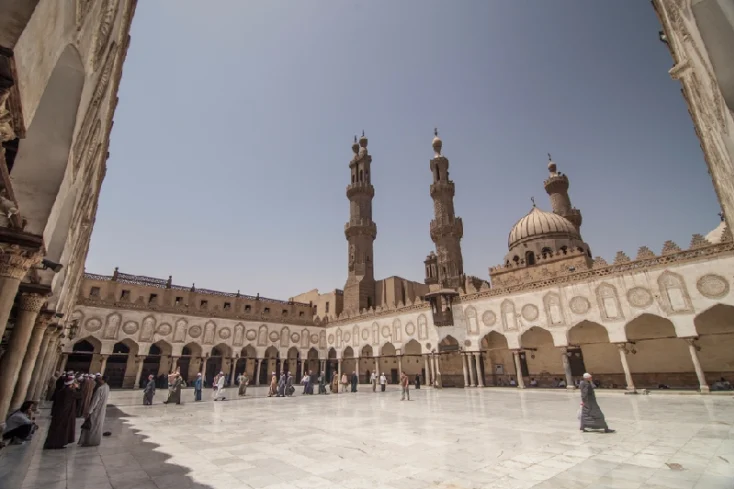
229 156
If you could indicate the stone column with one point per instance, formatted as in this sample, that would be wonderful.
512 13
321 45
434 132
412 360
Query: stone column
40 365
339 369
64 359
627 375
258 362
139 361
11 361
14 264
428 380
704 387
400 364
472 374
466 371
174 364
103 365
282 365
356 368
518 369
377 368
323 365
478 366
232 370
203 371
567 368
29 359
48 364
439 382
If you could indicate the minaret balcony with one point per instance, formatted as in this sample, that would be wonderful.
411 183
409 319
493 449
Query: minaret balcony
360 227
357 188
443 188
573 215
557 183
443 228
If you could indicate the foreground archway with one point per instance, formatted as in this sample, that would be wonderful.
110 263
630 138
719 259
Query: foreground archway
715 328
121 366
190 361
83 355
540 360
450 363
589 350
658 356
499 361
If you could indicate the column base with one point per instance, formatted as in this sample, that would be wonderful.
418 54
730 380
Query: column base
570 387
704 389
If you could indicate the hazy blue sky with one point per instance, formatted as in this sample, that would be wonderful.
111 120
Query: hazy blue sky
232 138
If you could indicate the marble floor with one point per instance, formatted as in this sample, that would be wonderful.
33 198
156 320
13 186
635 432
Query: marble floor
443 439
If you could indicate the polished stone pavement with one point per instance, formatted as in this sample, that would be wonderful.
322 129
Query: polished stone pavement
451 438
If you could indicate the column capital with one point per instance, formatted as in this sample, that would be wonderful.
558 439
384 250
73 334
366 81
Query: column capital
43 320
621 346
103 356
691 340
31 301
15 261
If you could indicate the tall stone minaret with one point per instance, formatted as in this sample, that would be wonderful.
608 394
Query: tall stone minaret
557 188
361 231
446 229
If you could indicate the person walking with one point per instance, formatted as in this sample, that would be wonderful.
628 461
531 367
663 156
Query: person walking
242 380
322 383
91 435
591 416
197 387
355 381
345 382
149 391
373 381
219 393
417 381
405 385
63 415
383 382
335 383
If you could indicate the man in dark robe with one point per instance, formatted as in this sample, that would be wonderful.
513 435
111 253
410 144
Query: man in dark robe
591 415
57 387
149 391
310 383
289 389
417 381
87 389
63 416
281 385
355 380
174 395
322 383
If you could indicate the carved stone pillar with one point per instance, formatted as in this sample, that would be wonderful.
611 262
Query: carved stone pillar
478 366
627 375
203 371
567 368
258 362
14 264
11 361
339 370
437 366
464 361
693 349
64 359
377 368
472 375
103 364
428 380
518 369
30 358
139 361
40 364
48 364
400 364
356 368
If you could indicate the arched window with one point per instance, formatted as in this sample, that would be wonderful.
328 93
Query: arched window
547 252
352 177
516 259
564 249
529 258
438 175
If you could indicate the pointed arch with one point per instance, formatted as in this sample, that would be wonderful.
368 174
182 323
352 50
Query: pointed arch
375 333
162 346
472 324
674 295
397 331
509 315
262 335
367 351
422 327
239 334
191 349
179 332
553 309
147 329
209 330
285 337
355 335
413 348
112 326
608 301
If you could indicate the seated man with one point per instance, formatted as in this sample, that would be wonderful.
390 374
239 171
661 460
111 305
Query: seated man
20 426
533 382
562 383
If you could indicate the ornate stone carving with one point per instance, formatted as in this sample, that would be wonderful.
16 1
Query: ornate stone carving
509 316
285 337
639 297
262 335
608 301
82 9
331 339
179 333
195 331
274 336
397 330
209 330
347 336
225 333
472 323
239 334
529 312
621 257
295 338
644 253
670 247
146 332
579 305
365 334
489 318
385 332
322 339
712 286
314 339
410 329
104 30
422 327
674 294
553 309
130 327
338 338
112 327
93 324
164 329
599 262
251 335
698 241
16 261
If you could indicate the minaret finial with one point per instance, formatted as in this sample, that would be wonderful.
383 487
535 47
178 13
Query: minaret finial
362 132
549 157
532 199
435 131
355 138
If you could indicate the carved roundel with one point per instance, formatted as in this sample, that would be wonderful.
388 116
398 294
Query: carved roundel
195 331
130 327
579 305
251 335
365 334
639 297
93 324
489 318
428 346
274 336
347 337
467 342
711 286
530 312
225 333
315 339
386 331
164 329
295 337
410 329
331 339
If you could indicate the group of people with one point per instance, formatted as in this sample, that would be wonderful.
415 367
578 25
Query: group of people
82 396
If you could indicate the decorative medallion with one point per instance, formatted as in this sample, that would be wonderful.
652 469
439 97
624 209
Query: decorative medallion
365 334
195 331
529 312
251 335
410 329
225 333
315 339
467 342
93 324
274 336
579 305
130 327
295 337
331 339
711 286
385 331
639 297
164 329
489 318
428 346
347 337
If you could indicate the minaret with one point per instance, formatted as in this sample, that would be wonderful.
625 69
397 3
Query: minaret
446 229
557 188
361 231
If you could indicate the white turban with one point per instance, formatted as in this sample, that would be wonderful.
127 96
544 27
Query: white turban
587 375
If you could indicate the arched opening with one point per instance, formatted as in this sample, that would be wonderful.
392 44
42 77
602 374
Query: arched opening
83 354
293 364
529 258
217 362
121 365
389 362
271 365
312 362
658 356
348 362
540 360
246 363
367 363
589 350
715 328
332 364
501 364
41 162
190 361
413 361
452 371
157 363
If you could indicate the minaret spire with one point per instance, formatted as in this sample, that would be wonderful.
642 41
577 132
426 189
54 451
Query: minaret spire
556 185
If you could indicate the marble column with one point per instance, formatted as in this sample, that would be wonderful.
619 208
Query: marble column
139 361
400 364
103 365
356 368
40 364
377 368
11 361
14 264
567 368
428 380
29 359
439 382
703 385
64 359
472 374
518 369
464 361
339 369
258 362
478 366
627 375
48 364
232 370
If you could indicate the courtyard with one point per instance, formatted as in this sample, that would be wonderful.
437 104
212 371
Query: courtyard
451 438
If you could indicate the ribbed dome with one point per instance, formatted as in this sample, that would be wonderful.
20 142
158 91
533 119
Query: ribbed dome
715 236
538 224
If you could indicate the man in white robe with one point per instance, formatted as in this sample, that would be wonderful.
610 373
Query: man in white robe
219 394
92 437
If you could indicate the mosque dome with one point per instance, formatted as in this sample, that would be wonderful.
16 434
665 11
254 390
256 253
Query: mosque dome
540 224
717 234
